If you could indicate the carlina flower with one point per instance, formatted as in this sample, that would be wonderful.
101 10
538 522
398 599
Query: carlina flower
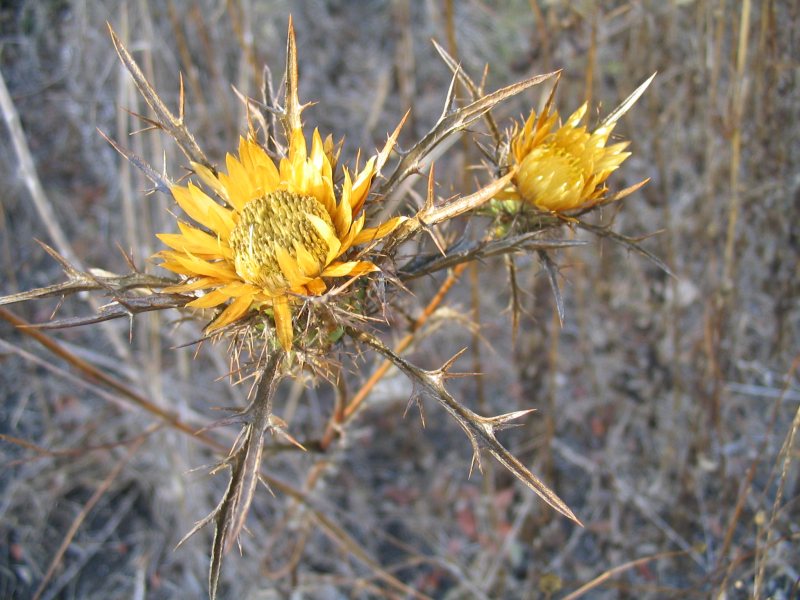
565 168
277 233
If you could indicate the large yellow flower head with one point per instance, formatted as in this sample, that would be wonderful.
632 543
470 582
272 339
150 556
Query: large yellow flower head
562 167
275 234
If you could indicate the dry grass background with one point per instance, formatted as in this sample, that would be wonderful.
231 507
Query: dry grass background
665 405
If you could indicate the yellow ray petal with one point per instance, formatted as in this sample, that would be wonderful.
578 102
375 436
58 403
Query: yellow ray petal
247 154
234 311
376 233
240 187
258 155
328 235
263 172
220 219
283 321
267 177
355 229
297 147
191 286
209 300
290 268
176 267
208 177
576 117
353 268
317 158
236 192
361 186
200 238
308 264
343 216
316 287
195 241
203 209
237 289
200 207
223 271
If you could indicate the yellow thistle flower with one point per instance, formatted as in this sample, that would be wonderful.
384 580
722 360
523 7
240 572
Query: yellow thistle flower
279 232
565 168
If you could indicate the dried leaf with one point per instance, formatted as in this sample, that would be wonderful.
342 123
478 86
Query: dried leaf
245 463
526 242
430 215
173 125
552 277
292 100
631 243
479 430
475 90
515 303
123 306
626 104
80 281
160 180
449 123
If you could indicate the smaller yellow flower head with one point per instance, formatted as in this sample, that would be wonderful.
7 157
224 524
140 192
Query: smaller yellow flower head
562 167
275 233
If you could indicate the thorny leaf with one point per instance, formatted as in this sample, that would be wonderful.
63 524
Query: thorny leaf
475 90
622 193
515 303
292 104
173 125
437 214
449 123
86 282
416 400
425 265
245 462
245 458
81 281
383 156
124 305
132 293
160 180
329 527
259 419
479 430
268 100
631 243
626 104
552 276
430 215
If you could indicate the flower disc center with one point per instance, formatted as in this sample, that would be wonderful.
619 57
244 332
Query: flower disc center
277 220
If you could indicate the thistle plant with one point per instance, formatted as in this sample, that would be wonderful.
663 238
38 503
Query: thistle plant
280 255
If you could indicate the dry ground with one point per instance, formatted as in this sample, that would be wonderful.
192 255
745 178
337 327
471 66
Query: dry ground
663 403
